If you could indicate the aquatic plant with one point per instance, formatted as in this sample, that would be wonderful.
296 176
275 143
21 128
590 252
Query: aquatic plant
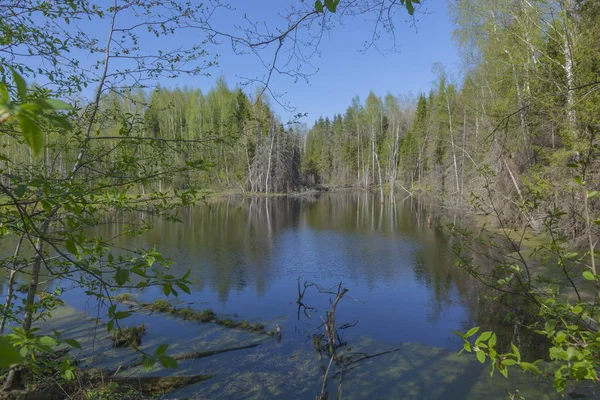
123 337
160 305
122 297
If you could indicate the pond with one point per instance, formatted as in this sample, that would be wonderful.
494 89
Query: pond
248 259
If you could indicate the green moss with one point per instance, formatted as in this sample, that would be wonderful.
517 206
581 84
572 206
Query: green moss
202 316
207 315
159 305
185 313
112 391
132 335
121 297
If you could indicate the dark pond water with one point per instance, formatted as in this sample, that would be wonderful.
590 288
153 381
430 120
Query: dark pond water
246 258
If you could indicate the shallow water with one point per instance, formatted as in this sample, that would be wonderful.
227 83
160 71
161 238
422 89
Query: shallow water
246 258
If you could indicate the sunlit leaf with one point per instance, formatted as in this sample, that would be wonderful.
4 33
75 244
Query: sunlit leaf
471 332
589 275
530 367
47 341
480 356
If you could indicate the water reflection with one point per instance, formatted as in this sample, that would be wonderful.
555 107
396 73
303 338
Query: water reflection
246 255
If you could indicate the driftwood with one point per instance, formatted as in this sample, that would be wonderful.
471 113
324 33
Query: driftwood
332 337
158 384
189 356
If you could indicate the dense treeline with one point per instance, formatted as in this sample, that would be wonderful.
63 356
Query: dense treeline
518 134
239 141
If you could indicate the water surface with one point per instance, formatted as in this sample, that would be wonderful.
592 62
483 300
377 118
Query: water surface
246 259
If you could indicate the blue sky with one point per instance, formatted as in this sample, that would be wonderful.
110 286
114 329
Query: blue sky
344 71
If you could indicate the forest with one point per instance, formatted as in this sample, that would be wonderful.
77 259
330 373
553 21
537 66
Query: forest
92 129
518 127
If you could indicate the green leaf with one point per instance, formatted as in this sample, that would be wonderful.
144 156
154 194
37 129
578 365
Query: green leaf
480 356
32 134
53 104
331 5
550 325
530 367
46 206
9 355
68 375
410 7
4 98
47 341
503 370
318 6
148 362
592 194
162 349
492 341
578 179
467 346
110 325
122 315
168 362
184 287
577 309
471 332
21 85
516 351
122 276
560 337
508 361
73 343
589 275
483 337
20 190
71 247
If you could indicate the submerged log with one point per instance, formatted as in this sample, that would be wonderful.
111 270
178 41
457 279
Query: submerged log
159 384
189 356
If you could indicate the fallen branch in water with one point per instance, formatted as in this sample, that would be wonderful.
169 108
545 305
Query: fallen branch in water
189 356
188 314
154 384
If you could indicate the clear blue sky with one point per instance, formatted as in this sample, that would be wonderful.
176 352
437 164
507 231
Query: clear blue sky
344 71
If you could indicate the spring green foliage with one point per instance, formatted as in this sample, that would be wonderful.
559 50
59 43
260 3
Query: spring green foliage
517 141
